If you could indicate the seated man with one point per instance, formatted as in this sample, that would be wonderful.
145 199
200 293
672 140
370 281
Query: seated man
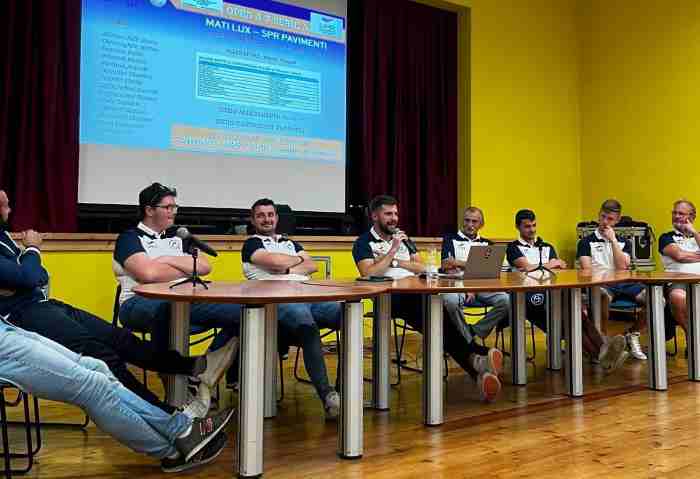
382 252
455 250
680 253
268 255
152 253
24 303
603 249
525 254
46 369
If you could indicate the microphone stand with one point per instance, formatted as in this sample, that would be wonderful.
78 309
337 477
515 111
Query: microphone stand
194 278
541 267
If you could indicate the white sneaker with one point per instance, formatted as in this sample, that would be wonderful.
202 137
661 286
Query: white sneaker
613 353
198 406
218 362
634 346
489 386
332 405
491 363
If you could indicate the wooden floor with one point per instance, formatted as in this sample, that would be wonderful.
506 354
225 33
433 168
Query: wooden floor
619 429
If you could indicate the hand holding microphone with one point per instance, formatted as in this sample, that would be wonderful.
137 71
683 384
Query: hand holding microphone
400 236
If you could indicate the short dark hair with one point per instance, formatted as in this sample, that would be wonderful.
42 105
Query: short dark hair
151 196
263 202
523 215
611 206
382 200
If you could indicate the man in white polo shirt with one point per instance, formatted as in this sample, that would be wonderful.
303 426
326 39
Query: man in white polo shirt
604 249
680 253
455 251
271 256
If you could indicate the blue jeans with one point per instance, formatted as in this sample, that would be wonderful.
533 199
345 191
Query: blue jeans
299 324
153 315
46 369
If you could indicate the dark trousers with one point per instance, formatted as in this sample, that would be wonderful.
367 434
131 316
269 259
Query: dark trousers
409 307
85 333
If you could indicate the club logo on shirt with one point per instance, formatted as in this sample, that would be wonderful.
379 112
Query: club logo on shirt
537 299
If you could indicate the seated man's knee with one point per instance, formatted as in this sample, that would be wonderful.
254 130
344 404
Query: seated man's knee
677 297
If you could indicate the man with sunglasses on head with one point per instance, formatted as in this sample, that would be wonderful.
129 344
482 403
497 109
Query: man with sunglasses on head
24 303
153 253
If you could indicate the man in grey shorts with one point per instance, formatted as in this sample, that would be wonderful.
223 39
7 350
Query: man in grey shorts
680 253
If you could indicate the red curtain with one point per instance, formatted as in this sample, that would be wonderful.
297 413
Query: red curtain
403 110
39 79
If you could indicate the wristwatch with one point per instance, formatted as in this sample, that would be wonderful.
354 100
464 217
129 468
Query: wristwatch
394 263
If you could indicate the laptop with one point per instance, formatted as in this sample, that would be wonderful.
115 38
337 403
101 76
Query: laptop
484 262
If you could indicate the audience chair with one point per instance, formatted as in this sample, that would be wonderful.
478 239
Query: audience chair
32 439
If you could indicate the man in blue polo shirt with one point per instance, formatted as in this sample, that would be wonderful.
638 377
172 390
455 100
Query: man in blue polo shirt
270 256
382 251
680 253
604 249
152 253
455 251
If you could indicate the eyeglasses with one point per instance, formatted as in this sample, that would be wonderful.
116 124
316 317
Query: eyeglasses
679 213
169 208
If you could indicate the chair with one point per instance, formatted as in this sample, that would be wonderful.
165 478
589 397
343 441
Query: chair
31 448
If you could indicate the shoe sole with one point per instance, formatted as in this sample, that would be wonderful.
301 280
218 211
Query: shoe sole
191 465
211 382
490 387
206 441
618 362
495 364
615 349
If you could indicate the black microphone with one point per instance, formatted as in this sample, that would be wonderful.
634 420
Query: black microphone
410 245
184 234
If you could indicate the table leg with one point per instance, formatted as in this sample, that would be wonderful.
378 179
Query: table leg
658 378
351 397
693 339
574 344
176 387
554 329
433 407
597 307
517 340
271 361
249 444
381 332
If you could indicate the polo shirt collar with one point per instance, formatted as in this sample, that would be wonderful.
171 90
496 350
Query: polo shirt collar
525 243
149 231
376 236
461 234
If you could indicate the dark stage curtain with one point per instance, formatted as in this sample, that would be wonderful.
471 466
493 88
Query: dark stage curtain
403 110
39 78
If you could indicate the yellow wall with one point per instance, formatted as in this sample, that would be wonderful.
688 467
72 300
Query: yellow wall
525 116
641 98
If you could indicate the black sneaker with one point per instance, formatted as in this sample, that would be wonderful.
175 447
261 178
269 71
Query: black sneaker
203 431
210 452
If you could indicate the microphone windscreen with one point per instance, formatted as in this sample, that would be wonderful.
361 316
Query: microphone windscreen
182 233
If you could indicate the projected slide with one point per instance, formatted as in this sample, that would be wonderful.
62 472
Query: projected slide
228 101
